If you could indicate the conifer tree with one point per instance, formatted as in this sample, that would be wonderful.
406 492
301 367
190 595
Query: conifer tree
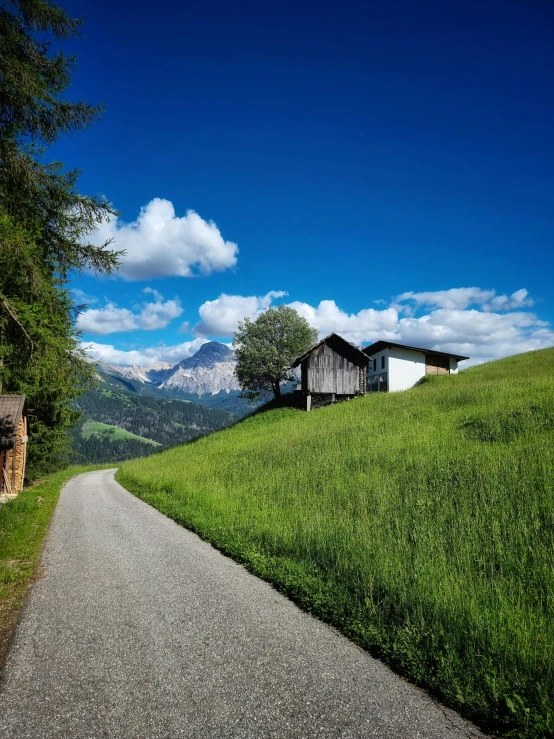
44 224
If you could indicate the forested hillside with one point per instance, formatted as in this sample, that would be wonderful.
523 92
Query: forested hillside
116 424
207 377
225 400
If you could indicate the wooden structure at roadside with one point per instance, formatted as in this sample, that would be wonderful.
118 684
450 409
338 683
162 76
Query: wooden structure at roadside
331 371
14 428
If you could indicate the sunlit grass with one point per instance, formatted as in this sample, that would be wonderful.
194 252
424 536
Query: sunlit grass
91 428
421 523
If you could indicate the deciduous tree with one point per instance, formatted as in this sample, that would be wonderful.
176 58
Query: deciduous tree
266 348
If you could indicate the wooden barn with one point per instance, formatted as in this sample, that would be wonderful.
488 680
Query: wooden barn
13 443
331 371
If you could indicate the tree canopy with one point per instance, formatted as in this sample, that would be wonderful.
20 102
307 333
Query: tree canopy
45 223
267 347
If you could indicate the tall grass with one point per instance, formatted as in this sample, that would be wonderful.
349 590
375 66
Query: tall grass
420 523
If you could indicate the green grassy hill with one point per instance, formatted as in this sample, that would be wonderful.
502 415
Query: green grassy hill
91 428
420 523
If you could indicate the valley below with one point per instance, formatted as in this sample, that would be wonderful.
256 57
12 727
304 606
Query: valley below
135 411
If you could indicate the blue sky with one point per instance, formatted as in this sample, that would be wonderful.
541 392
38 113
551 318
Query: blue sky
388 165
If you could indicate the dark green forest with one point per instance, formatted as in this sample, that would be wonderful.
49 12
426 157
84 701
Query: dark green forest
165 421
45 225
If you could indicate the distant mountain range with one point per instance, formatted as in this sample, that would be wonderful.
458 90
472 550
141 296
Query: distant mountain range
208 378
136 410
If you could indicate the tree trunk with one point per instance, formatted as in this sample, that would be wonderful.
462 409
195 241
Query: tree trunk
277 389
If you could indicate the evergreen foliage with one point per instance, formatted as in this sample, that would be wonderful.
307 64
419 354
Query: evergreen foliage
164 421
266 348
44 225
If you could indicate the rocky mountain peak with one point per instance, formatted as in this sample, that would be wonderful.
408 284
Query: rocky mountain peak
209 354
208 372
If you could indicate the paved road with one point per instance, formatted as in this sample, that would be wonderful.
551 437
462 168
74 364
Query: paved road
138 629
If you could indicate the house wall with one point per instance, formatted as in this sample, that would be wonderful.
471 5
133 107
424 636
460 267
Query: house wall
403 367
372 374
406 368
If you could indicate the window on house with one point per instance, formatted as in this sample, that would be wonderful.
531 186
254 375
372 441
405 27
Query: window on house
375 384
383 383
383 362
375 365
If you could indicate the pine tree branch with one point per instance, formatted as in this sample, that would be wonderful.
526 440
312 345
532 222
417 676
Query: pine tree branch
14 317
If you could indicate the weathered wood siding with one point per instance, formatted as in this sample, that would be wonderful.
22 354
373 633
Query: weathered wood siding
15 460
437 365
330 372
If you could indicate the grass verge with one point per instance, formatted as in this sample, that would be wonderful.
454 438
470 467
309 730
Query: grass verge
420 523
23 525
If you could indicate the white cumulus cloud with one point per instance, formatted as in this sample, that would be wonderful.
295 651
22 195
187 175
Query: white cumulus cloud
519 299
460 298
143 357
496 327
159 314
220 317
160 243
479 333
455 298
107 320
367 325
111 319
469 321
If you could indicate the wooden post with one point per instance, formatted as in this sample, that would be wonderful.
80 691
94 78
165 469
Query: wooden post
14 465
308 402
6 481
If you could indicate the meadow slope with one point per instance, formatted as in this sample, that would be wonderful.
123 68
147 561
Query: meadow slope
420 523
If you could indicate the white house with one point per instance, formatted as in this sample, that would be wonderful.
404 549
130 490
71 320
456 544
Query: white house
398 367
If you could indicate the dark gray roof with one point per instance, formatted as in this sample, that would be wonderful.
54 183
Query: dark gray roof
339 344
11 408
380 345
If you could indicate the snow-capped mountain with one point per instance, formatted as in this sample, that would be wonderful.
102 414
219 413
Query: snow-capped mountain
149 374
207 372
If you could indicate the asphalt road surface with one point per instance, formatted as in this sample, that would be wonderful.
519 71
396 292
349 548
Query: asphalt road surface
136 628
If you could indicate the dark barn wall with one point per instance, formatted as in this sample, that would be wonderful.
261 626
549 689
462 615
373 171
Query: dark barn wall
437 365
329 372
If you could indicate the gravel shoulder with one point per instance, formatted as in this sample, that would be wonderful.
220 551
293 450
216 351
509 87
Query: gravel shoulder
137 628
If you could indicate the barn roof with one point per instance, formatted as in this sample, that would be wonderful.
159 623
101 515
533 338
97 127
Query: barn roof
11 409
378 346
340 345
